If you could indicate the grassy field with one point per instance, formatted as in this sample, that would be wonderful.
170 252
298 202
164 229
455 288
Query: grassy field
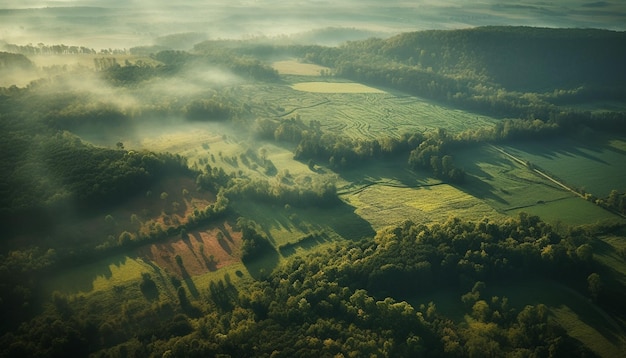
512 188
384 205
595 165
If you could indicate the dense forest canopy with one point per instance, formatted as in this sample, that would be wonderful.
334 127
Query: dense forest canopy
208 208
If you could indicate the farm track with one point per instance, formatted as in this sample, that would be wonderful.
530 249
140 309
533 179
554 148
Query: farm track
537 171
549 178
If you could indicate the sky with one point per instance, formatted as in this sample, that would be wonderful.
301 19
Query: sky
129 23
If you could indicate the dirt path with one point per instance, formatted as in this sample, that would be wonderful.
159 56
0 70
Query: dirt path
536 171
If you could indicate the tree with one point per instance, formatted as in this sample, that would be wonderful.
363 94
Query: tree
595 285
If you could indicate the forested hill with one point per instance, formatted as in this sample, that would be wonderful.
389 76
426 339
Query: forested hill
518 72
518 58
14 61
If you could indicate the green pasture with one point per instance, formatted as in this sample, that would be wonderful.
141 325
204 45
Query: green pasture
571 211
611 251
596 164
510 188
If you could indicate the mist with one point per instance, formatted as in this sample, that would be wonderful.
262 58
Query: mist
125 24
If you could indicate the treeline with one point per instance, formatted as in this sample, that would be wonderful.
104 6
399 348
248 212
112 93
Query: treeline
171 62
615 201
212 54
43 49
283 190
318 305
432 151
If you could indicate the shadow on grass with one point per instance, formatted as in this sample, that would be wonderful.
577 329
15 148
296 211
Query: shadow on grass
188 281
556 295
306 242
81 278
260 267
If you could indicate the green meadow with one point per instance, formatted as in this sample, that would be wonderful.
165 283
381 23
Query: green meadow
595 165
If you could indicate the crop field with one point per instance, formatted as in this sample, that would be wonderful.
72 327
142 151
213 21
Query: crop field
360 115
597 168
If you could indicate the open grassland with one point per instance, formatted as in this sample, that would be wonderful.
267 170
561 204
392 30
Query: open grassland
595 165
611 252
511 188
293 67
383 205
570 211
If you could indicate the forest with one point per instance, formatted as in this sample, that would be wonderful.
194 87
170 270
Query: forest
164 202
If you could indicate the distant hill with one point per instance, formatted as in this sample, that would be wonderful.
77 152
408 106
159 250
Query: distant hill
519 72
518 58
14 61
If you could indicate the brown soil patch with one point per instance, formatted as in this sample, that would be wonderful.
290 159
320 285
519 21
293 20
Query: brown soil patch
201 251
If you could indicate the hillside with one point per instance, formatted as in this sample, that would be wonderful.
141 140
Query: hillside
502 71
518 58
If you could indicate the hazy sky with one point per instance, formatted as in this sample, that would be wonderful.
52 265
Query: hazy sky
127 23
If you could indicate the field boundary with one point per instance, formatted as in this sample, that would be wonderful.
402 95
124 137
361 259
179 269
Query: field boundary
387 184
536 171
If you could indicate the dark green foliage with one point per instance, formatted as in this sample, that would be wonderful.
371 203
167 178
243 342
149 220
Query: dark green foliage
148 287
342 301
14 61
254 245
616 201
207 110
